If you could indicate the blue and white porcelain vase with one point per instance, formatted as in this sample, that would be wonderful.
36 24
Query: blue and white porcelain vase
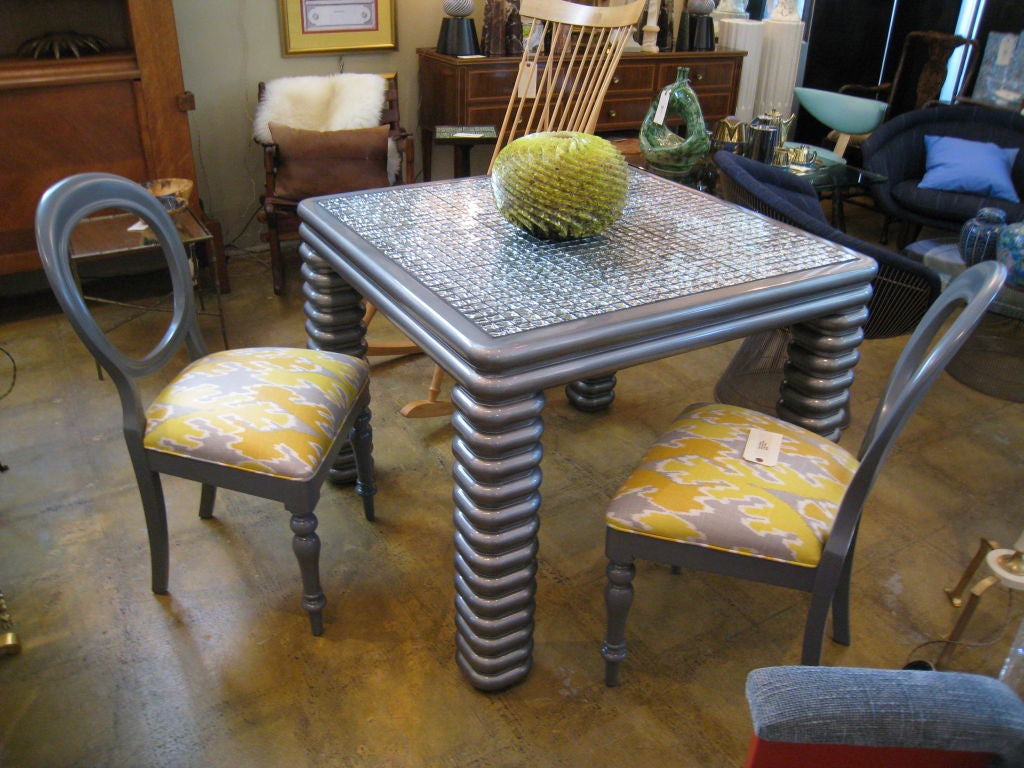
979 237
1011 253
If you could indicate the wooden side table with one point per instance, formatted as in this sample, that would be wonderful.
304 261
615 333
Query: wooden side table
462 139
124 234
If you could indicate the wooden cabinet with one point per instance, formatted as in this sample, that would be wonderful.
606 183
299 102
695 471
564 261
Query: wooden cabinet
457 91
125 111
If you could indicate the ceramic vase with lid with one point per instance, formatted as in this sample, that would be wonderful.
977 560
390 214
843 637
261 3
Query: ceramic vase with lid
1011 253
979 237
700 27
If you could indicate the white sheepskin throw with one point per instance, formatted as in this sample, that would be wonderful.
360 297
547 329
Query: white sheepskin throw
320 103
324 103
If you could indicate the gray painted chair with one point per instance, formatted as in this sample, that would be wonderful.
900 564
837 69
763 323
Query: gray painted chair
694 501
266 421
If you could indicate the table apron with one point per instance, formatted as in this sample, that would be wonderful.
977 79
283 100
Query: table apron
597 360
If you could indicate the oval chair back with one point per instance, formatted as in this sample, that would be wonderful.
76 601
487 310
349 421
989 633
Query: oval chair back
60 210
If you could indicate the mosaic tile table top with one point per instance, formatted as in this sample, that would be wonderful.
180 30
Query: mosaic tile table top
671 242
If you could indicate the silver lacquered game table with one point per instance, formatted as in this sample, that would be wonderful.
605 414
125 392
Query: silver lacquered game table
508 316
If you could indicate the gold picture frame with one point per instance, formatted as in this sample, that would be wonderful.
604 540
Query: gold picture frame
310 27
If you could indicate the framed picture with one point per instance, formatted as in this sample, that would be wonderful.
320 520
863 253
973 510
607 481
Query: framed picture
329 26
1001 76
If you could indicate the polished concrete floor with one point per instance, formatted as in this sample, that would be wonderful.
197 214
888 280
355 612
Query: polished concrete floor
223 670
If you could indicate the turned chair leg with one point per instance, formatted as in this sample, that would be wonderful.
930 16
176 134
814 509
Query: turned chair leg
386 349
362 449
618 597
432 406
306 546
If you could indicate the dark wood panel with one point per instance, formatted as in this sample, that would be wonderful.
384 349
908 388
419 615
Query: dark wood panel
622 114
124 113
490 82
164 104
57 132
439 96
34 73
631 77
703 75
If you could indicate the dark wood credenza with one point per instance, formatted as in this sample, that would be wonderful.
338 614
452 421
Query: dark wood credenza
123 111
475 91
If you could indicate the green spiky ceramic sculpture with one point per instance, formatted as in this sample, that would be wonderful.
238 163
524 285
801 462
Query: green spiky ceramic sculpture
560 185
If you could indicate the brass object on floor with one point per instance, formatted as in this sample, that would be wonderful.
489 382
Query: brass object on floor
957 632
1005 565
9 642
955 594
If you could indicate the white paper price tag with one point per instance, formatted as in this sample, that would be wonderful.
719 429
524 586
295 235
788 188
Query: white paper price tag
659 114
528 81
763 447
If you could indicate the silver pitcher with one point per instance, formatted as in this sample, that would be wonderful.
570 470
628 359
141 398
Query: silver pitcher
764 138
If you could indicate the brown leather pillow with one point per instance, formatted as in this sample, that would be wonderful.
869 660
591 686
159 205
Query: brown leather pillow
311 163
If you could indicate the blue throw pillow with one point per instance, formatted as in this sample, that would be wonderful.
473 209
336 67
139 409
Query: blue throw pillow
978 167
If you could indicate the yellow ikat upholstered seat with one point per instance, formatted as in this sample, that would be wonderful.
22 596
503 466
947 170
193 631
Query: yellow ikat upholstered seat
694 486
274 410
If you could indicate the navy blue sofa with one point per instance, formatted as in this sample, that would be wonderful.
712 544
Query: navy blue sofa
897 150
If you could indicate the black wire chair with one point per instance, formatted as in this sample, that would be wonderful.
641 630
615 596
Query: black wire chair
902 290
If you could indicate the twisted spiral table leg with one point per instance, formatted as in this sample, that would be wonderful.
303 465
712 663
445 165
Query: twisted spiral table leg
334 323
591 395
816 390
497 480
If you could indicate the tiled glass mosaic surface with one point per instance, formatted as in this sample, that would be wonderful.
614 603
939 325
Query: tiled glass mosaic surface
670 242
